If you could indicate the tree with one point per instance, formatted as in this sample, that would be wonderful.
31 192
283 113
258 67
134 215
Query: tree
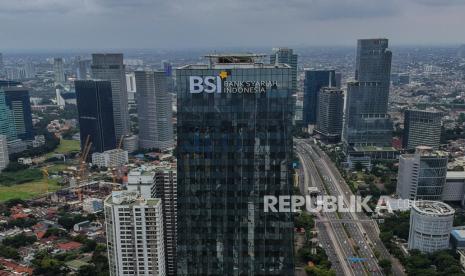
358 166
386 265
19 240
9 252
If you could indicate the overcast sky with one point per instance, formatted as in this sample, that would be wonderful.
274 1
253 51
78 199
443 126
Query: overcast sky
167 24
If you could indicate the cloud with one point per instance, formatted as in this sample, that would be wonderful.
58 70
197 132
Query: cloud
179 23
436 3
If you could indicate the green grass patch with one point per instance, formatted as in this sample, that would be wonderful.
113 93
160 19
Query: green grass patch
28 190
66 146
57 168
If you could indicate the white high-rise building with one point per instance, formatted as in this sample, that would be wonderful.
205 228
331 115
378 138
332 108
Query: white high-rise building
430 226
160 182
422 175
110 158
3 152
141 180
154 110
110 67
59 70
134 228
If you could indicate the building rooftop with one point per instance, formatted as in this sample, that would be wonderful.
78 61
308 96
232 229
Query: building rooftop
433 208
455 175
459 234
129 198
235 61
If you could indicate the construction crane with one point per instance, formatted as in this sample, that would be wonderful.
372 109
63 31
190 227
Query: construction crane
82 165
45 175
113 170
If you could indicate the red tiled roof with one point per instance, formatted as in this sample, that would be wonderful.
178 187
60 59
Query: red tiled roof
16 267
19 216
72 245
40 234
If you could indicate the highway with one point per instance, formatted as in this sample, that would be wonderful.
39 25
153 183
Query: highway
341 240
368 227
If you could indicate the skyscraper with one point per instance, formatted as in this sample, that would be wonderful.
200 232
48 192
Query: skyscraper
422 175
314 81
160 182
110 67
330 114
234 147
368 127
154 110
4 160
422 128
59 71
7 126
166 189
134 228
286 56
17 100
95 108
83 69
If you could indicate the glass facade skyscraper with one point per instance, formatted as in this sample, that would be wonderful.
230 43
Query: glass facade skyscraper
368 127
234 147
330 114
110 67
17 100
286 56
95 108
314 81
422 128
154 110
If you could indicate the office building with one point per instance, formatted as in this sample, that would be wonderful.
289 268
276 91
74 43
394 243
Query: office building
83 69
314 81
131 88
430 226
134 228
95 109
330 114
110 158
154 111
7 126
131 143
110 67
167 68
165 188
422 175
454 188
368 128
286 56
18 102
59 71
4 160
234 147
422 128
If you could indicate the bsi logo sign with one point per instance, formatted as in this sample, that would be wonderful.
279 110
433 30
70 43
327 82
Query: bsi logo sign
207 84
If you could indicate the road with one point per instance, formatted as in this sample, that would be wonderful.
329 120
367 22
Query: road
341 238
370 228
